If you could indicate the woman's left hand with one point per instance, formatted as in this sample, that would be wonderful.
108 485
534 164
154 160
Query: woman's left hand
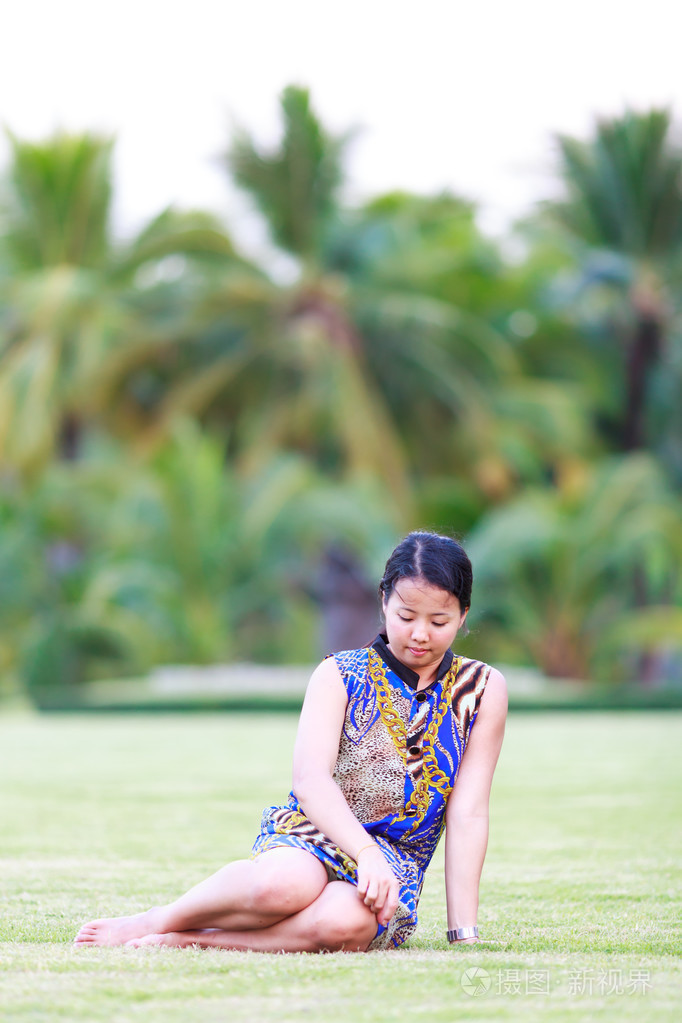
377 884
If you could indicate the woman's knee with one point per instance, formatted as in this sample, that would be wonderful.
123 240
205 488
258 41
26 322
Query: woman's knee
341 921
286 884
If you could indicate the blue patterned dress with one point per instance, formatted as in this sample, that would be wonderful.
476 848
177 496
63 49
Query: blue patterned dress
399 755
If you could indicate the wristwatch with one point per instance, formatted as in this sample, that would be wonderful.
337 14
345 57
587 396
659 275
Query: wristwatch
462 932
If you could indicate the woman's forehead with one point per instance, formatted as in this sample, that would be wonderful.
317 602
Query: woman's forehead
420 593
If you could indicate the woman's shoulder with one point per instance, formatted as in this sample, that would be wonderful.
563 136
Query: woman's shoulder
479 686
480 675
352 666
348 665
490 685
351 660
469 669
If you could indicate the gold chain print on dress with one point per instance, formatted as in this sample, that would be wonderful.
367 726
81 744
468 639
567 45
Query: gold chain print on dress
432 776
389 715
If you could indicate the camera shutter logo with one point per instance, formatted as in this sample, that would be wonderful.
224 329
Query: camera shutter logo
476 981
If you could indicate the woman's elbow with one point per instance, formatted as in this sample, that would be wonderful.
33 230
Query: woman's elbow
473 807
465 818
307 781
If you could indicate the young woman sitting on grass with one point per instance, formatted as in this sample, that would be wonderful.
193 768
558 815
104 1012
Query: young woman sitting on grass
395 741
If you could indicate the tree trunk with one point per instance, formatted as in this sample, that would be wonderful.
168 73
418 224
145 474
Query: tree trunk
644 353
348 602
70 436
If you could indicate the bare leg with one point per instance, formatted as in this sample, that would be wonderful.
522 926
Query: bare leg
245 895
336 920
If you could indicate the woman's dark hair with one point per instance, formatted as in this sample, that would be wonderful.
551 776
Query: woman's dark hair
439 560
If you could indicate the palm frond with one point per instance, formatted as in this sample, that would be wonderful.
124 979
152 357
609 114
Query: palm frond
59 202
295 185
625 186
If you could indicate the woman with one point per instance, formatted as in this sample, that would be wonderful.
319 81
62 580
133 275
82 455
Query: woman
384 733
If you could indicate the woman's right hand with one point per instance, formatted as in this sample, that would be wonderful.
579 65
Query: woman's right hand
377 884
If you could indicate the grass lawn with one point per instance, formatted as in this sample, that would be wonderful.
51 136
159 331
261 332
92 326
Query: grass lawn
580 899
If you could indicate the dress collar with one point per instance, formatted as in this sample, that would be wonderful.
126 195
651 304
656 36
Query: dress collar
409 677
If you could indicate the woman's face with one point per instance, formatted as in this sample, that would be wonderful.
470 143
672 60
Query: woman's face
421 623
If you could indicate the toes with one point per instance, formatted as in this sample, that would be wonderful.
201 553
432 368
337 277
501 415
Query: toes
88 931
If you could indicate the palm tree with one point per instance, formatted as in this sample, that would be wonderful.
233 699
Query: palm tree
75 314
384 357
623 209
317 396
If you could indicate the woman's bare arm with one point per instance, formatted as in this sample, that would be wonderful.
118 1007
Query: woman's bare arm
466 835
315 754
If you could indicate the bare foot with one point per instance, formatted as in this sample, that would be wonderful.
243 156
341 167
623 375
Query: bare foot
118 930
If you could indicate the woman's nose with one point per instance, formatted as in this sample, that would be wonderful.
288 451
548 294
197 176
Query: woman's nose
419 630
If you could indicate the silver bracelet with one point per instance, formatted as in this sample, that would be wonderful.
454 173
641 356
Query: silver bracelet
462 932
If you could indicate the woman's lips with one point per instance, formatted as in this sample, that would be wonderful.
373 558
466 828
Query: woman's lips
417 651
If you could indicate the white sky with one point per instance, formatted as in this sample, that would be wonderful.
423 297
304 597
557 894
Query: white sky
448 94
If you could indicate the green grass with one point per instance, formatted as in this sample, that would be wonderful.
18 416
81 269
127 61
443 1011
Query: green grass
105 815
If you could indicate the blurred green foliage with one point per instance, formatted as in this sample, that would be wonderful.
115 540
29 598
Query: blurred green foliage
183 434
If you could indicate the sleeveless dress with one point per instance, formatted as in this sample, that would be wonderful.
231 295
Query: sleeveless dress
398 759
